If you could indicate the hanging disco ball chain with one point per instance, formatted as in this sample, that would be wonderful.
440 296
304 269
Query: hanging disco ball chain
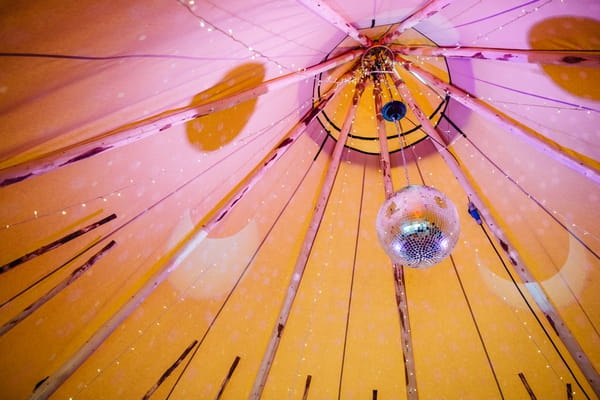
418 226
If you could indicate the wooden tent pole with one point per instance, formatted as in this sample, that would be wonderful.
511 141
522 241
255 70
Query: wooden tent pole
534 288
384 153
428 10
482 108
276 154
323 10
559 57
142 129
50 294
398 269
307 245
53 382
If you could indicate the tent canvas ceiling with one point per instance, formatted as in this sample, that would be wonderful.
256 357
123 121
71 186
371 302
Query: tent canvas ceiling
164 165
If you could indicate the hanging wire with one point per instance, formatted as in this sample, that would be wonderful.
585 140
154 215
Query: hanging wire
229 33
388 87
352 278
402 145
465 296
401 137
532 312
416 157
194 283
472 312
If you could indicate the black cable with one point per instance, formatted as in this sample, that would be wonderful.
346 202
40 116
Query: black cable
533 311
350 296
49 274
470 308
412 148
250 261
539 204
531 197
487 355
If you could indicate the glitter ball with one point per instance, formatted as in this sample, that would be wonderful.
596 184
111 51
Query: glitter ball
418 226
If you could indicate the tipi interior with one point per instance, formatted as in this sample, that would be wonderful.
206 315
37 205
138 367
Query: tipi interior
190 192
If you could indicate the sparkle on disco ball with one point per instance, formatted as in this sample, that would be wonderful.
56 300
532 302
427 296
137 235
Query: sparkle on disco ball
418 226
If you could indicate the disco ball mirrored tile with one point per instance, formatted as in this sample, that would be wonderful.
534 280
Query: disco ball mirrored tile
418 226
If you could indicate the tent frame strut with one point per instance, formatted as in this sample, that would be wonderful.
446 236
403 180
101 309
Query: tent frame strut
554 57
427 11
193 240
534 288
398 269
334 18
309 239
156 124
495 116
38 164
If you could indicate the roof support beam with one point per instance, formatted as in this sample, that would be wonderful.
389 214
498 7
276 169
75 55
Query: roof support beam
330 15
428 10
384 153
148 127
309 239
53 382
49 295
564 58
534 288
496 117
398 269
